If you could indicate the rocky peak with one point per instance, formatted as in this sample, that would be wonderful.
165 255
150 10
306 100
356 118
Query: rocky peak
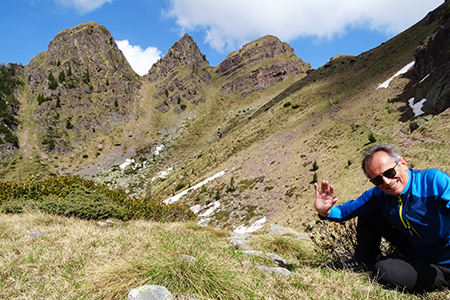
183 54
83 84
175 86
259 65
262 49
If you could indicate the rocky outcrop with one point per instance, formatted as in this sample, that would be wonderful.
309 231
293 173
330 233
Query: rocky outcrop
259 79
179 76
9 109
259 65
432 68
83 84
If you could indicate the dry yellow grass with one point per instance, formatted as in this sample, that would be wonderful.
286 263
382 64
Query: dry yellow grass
77 259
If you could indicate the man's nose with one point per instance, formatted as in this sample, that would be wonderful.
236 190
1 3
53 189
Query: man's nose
386 180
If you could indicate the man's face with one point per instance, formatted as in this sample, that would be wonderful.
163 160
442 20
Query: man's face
380 163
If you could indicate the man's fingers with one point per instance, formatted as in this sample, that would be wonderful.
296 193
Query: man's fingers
324 186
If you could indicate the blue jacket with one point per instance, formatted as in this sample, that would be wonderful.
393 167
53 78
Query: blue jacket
421 212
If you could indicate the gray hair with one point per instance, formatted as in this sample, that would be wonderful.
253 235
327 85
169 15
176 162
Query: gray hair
370 152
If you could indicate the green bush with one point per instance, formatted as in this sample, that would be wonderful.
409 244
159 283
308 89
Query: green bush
372 138
337 241
78 197
83 205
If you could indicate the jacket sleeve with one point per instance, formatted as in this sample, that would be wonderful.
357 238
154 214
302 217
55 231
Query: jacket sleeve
364 204
439 183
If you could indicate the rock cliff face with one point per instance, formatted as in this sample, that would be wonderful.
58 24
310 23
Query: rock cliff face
432 66
179 76
9 110
82 84
259 65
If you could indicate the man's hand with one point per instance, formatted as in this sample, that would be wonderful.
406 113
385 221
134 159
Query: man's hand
324 198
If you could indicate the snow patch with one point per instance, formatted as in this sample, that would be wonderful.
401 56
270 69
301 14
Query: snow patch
417 107
126 163
162 174
255 226
212 207
158 149
178 196
423 79
405 69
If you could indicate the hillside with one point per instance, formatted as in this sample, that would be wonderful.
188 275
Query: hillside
262 116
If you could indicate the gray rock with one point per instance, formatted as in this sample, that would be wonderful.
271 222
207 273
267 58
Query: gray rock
253 252
240 244
35 234
277 270
242 236
278 259
281 271
188 258
150 292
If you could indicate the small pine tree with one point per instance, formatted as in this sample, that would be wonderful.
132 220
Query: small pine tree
52 83
315 166
372 138
314 180
62 77
68 124
86 77
69 71
231 187
116 104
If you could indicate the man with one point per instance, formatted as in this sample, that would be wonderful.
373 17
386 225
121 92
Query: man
409 208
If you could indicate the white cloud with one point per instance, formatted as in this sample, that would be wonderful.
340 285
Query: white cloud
140 60
83 6
231 23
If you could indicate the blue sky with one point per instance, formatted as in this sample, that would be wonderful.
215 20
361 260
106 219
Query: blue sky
146 29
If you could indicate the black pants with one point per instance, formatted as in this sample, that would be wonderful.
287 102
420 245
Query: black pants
410 274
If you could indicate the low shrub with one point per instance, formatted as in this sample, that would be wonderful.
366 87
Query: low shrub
337 241
78 197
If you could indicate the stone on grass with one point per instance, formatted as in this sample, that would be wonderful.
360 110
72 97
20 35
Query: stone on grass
278 259
240 244
150 292
35 234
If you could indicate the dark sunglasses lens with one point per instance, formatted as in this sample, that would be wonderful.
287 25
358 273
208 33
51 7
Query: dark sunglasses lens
377 180
390 173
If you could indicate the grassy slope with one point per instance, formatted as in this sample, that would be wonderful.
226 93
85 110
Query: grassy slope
77 259
331 114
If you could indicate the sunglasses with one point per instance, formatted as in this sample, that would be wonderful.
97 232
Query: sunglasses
389 173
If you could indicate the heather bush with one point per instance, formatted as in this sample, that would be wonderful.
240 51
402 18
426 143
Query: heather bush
75 196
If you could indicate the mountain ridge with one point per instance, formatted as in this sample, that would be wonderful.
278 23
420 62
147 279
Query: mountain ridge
276 119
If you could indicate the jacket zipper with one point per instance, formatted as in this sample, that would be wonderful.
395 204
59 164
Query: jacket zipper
404 220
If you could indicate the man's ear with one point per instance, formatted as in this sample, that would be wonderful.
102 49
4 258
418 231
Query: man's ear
403 162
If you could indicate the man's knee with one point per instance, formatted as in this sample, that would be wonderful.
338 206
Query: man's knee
403 275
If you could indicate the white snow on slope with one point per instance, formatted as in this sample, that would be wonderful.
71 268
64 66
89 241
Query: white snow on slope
405 69
423 79
212 207
158 149
255 226
178 196
417 108
126 163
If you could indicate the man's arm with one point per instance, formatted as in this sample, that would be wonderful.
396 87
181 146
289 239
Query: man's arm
325 199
